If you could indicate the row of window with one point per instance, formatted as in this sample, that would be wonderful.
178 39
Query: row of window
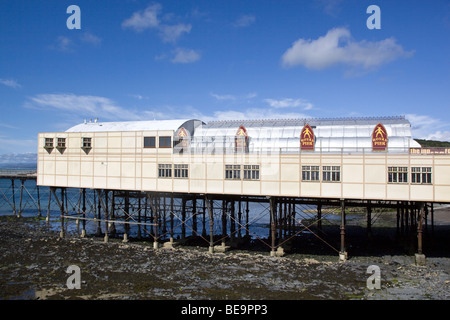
149 142
329 173
420 175
61 143
179 171
250 172
164 142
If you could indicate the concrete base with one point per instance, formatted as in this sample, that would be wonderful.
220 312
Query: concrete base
61 234
280 252
221 248
106 238
343 256
171 244
155 245
211 250
125 237
420 259
83 234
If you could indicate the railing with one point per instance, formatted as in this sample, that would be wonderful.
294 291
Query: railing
211 150
17 172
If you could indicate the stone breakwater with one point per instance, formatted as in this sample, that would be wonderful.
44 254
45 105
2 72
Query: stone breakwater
33 264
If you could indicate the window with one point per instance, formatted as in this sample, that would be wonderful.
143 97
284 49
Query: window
310 173
164 170
421 175
165 142
398 174
232 171
251 172
48 143
61 143
331 173
87 143
149 142
181 171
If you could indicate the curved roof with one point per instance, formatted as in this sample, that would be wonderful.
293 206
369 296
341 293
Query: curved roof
332 134
129 126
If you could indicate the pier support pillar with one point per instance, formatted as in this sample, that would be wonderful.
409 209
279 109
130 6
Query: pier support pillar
83 230
420 257
369 220
343 253
272 225
211 225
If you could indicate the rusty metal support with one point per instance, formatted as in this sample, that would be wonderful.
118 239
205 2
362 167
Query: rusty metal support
13 197
232 220
22 181
211 224
420 228
319 218
39 201
194 216
61 208
420 257
183 218
104 205
342 253
171 218
246 219
369 220
83 230
272 204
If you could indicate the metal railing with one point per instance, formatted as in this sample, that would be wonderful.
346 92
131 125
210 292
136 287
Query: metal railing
17 172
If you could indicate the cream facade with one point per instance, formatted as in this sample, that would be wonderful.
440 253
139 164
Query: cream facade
124 160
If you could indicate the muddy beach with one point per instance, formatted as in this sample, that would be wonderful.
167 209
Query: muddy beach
34 260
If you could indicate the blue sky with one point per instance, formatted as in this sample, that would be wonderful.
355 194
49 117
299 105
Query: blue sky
212 60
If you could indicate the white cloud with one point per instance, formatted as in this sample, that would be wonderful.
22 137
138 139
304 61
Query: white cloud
185 55
82 106
330 7
91 38
439 136
10 144
427 127
144 19
244 21
10 83
173 32
338 47
231 97
148 19
62 43
139 97
289 103
223 96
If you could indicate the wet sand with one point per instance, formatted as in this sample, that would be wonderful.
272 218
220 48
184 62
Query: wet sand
33 264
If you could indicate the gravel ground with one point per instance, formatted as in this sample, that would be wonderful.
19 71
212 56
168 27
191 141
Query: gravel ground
33 264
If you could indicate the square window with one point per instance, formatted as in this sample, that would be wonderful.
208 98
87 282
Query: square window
165 142
149 142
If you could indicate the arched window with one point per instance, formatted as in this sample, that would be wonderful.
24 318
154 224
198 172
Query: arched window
241 140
